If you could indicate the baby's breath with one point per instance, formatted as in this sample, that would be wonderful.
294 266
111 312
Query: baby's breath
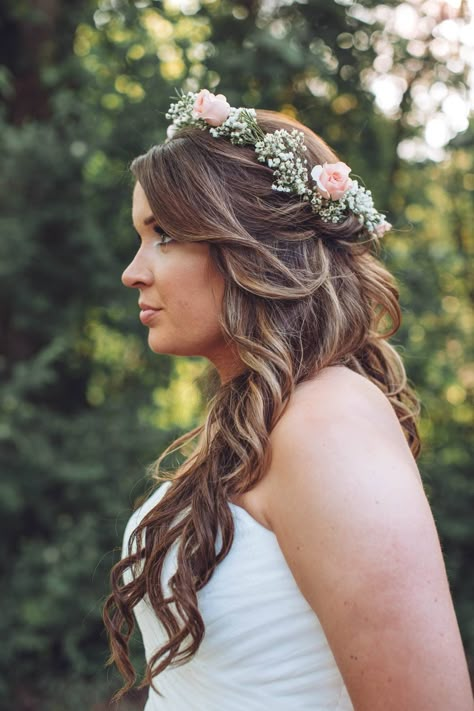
284 152
241 127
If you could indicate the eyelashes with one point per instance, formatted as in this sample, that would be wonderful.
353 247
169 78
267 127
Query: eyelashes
157 230
160 233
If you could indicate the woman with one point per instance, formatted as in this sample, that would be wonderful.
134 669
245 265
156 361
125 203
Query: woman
291 562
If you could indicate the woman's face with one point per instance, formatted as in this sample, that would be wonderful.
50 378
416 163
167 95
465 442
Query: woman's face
179 290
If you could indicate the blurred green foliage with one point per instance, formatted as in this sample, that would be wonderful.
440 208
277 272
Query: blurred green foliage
84 405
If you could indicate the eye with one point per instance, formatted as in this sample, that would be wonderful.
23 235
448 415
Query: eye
162 234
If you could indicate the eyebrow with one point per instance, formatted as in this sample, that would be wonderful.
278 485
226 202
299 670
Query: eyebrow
149 220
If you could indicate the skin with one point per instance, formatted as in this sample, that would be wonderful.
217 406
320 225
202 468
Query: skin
345 501
343 496
181 278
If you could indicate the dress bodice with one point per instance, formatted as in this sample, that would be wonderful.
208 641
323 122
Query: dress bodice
263 647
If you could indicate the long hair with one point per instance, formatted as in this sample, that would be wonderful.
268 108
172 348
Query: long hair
300 294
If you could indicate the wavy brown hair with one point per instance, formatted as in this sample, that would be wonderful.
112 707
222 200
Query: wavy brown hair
300 295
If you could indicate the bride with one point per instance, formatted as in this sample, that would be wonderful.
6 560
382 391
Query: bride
291 562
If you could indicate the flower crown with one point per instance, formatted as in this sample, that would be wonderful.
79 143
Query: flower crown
332 193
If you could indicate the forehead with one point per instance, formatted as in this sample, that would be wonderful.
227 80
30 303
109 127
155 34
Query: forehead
141 209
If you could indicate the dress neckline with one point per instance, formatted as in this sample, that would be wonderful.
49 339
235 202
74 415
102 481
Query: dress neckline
240 509
246 514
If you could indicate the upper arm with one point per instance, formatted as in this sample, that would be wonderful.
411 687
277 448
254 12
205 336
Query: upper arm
352 520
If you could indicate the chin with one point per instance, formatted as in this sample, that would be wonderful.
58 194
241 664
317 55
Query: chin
155 343
158 345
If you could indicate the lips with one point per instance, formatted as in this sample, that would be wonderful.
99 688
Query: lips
147 307
148 313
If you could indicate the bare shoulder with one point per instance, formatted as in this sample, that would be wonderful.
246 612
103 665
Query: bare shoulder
344 498
338 406
340 437
337 391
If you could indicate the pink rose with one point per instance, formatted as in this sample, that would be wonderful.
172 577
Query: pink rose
213 109
383 228
332 179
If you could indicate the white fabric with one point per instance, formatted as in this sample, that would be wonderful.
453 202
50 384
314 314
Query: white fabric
263 647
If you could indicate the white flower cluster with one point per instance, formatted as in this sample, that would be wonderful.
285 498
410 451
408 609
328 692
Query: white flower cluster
357 200
241 127
329 210
360 201
283 151
181 112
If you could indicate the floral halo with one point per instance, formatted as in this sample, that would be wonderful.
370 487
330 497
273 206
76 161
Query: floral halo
331 192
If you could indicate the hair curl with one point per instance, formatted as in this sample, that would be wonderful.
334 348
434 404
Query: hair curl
300 295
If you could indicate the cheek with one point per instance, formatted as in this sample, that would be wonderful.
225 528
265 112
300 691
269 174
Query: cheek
199 307
200 288
192 294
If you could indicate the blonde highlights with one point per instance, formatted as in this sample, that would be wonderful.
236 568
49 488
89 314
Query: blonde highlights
300 295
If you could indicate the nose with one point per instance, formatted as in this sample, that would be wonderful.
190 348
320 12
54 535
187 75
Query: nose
137 274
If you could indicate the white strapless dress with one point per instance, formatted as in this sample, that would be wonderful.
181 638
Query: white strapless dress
263 647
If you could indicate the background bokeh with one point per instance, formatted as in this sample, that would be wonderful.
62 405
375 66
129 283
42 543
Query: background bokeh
84 405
